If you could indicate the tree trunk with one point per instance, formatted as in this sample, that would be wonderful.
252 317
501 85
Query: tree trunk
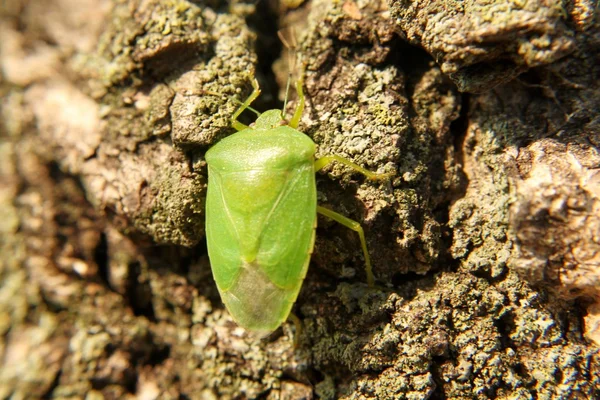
485 244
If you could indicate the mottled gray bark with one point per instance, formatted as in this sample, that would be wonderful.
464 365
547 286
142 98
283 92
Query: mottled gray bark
485 244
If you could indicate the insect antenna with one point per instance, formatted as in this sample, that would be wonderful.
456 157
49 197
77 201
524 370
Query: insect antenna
247 107
292 46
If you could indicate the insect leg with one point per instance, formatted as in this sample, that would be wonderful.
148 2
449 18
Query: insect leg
298 325
355 226
300 106
246 104
326 160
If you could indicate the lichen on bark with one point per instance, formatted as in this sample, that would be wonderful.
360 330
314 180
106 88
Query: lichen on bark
484 244
481 44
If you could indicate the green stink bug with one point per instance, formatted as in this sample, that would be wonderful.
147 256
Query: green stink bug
261 214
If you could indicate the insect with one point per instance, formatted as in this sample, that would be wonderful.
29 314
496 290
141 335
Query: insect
261 214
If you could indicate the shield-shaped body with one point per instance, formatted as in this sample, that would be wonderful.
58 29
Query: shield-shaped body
260 221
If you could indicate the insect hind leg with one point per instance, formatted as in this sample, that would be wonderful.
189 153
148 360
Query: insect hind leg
356 227
298 327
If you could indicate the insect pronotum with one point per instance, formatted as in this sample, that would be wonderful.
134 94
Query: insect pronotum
261 214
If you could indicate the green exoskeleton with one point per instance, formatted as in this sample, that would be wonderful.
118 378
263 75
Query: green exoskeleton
261 214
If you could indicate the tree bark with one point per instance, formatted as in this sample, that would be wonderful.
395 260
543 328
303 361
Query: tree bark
485 244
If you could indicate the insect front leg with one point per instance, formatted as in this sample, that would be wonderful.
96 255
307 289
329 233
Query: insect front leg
300 106
355 226
246 104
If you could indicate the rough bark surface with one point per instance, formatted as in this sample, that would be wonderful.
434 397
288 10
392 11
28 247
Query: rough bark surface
485 244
